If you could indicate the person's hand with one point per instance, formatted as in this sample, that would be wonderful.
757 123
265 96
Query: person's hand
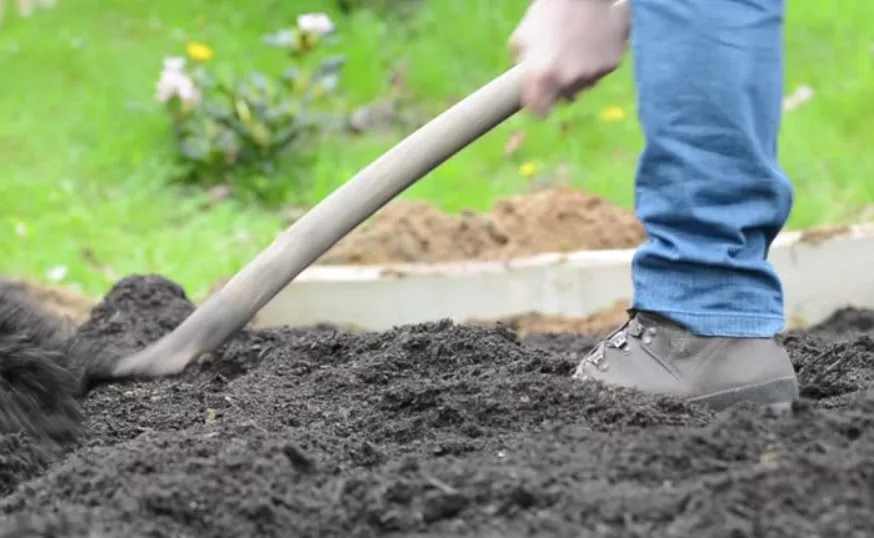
567 46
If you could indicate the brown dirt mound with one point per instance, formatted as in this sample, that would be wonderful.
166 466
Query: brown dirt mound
61 302
440 429
555 220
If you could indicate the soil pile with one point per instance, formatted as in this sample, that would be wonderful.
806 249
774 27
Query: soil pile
555 220
443 430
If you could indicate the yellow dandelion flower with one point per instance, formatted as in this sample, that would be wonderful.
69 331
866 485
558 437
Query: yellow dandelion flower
528 169
199 52
612 113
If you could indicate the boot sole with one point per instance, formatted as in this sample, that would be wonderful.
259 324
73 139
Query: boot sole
777 394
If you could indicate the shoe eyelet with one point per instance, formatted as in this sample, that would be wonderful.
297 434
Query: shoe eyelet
596 358
619 341
648 335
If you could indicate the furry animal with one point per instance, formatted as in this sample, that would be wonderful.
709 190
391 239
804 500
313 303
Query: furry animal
38 364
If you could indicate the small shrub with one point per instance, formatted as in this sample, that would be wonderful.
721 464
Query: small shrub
234 130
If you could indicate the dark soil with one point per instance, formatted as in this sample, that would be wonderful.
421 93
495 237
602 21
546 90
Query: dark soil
438 430
552 220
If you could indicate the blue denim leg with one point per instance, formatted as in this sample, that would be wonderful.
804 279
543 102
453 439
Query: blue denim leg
709 191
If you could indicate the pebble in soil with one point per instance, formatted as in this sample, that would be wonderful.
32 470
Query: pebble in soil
443 430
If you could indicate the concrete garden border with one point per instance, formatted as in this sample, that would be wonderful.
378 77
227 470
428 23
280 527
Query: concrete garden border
822 270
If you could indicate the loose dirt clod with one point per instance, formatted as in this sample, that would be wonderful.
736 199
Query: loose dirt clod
439 429
554 220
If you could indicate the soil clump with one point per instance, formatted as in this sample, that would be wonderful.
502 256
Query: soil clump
440 429
553 220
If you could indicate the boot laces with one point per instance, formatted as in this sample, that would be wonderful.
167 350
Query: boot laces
618 340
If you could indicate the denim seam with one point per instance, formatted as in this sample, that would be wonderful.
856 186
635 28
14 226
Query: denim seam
747 315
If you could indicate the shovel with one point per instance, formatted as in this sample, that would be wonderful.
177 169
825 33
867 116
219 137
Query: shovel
232 307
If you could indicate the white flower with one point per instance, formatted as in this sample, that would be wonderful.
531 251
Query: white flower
174 63
56 274
318 23
801 95
175 83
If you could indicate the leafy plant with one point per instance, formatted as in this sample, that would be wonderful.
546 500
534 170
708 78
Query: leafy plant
236 130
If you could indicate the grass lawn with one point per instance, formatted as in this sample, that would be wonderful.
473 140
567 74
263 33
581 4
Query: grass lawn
84 148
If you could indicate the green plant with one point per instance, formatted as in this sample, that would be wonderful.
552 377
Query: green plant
236 130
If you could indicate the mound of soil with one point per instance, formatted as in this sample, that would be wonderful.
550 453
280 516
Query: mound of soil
554 220
441 429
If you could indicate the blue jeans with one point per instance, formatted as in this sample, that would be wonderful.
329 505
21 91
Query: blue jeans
709 190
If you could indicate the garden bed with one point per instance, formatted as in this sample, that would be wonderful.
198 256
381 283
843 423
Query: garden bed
438 429
557 258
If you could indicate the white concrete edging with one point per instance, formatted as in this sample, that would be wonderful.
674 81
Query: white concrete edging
821 270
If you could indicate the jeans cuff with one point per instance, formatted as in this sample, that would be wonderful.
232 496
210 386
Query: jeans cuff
724 324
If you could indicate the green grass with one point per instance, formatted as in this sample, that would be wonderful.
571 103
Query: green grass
84 149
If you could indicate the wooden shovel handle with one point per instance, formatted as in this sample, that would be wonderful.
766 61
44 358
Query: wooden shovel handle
228 311
319 229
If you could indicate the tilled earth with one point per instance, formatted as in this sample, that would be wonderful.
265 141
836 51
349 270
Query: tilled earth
435 430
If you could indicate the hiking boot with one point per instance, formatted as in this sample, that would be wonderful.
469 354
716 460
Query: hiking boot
657 356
